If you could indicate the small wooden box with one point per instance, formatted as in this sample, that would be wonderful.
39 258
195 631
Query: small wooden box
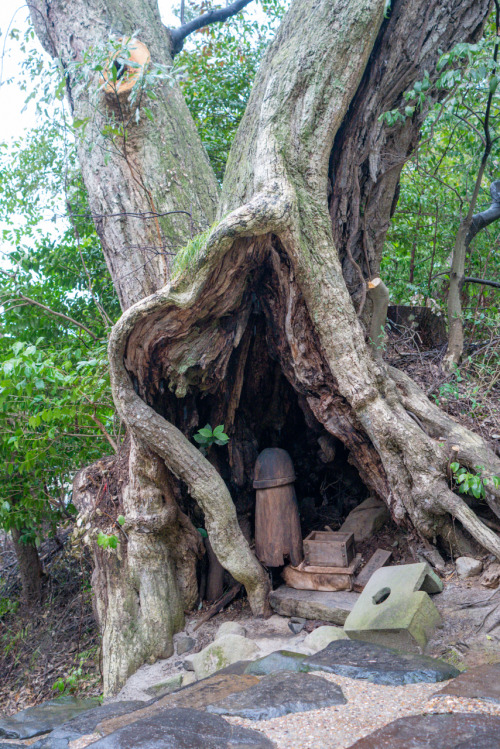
329 549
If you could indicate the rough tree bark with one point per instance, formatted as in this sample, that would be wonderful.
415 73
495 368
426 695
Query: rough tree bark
271 283
30 570
148 194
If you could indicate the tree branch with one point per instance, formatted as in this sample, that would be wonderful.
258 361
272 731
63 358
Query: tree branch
485 218
28 300
484 281
212 16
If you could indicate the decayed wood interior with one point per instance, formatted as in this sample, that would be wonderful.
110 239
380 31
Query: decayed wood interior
264 390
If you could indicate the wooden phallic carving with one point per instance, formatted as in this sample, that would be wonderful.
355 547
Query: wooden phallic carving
277 524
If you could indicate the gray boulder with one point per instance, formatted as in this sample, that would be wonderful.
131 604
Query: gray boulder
220 653
468 567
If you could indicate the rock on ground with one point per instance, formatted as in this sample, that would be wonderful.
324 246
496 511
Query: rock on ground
222 652
44 718
183 643
84 724
320 637
312 604
448 731
468 567
366 519
380 665
230 628
182 728
280 694
195 697
281 660
491 576
480 683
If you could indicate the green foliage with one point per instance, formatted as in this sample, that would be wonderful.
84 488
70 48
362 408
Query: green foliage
218 66
437 185
206 437
107 541
190 255
8 606
49 402
70 683
473 483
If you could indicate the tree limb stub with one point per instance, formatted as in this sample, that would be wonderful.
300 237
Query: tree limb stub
212 16
379 294
485 218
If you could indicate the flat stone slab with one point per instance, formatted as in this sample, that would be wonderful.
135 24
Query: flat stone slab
195 696
446 731
281 694
366 519
280 660
183 729
84 724
480 683
395 609
379 665
313 604
43 718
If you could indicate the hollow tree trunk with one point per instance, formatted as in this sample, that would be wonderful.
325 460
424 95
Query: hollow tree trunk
274 210
272 252
30 570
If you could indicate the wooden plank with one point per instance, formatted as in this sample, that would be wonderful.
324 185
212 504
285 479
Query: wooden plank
301 580
379 559
351 570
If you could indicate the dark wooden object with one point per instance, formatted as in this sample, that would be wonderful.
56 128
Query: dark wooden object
329 549
219 605
379 559
215 577
277 523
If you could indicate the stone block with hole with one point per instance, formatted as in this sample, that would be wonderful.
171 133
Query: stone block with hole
395 609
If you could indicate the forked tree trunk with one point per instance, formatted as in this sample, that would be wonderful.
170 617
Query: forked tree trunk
268 286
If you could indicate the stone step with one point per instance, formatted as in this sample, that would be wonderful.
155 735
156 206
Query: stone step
311 604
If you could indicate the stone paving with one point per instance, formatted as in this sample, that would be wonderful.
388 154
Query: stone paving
392 700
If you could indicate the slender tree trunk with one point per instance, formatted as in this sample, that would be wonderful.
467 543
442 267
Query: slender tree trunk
457 276
30 570
467 229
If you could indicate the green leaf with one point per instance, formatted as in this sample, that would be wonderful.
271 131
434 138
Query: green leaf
206 431
120 519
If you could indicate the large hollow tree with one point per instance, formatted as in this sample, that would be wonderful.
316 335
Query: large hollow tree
264 312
